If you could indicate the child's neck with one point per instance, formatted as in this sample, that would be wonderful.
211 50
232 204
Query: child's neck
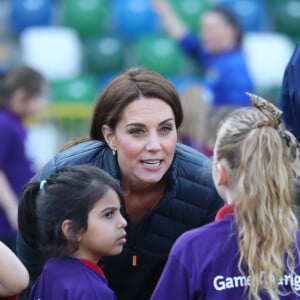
83 256
93 266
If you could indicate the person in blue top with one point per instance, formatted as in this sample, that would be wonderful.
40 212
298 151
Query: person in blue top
289 100
217 49
75 218
252 250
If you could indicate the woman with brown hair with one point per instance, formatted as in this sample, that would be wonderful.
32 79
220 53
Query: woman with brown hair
168 186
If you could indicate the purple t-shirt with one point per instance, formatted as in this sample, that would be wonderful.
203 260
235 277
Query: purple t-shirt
69 279
14 162
203 265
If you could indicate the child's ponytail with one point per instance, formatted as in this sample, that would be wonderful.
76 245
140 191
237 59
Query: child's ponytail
27 219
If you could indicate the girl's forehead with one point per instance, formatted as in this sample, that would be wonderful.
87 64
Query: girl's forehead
109 198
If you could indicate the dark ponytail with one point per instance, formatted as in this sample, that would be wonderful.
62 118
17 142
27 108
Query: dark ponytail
27 219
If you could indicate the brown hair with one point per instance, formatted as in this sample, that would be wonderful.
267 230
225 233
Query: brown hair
20 77
127 87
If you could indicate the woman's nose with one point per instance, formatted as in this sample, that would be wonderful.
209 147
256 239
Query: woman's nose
153 143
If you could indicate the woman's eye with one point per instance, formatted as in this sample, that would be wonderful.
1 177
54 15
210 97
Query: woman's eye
166 129
136 131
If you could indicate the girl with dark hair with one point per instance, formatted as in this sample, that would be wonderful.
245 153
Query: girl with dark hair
21 90
73 217
218 49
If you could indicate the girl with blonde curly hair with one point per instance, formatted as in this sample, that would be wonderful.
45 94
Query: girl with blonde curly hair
252 250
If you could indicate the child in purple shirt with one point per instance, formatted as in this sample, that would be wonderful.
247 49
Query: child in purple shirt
252 250
75 218
21 90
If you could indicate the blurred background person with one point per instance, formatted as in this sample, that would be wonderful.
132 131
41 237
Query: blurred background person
217 49
290 94
193 130
289 102
21 90
201 119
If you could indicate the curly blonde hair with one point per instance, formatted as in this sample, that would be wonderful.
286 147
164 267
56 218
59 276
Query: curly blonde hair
260 177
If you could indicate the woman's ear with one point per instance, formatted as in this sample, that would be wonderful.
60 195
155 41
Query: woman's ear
222 174
66 228
109 137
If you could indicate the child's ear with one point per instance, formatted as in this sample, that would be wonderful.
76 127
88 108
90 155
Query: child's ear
222 174
66 228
